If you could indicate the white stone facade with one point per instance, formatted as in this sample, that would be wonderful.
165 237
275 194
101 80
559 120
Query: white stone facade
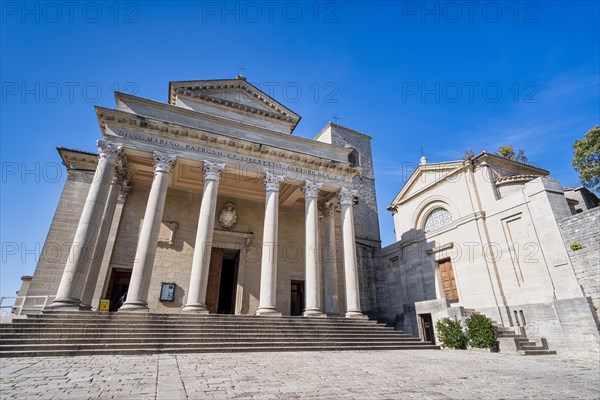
494 222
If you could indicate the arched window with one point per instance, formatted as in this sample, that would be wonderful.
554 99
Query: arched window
354 158
437 218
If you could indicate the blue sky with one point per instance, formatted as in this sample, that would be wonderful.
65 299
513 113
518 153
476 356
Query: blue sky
443 75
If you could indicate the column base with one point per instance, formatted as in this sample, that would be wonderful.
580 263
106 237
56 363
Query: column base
134 306
314 313
356 314
65 304
268 312
195 309
85 307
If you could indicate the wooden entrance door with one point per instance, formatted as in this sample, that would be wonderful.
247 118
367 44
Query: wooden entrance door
448 281
214 279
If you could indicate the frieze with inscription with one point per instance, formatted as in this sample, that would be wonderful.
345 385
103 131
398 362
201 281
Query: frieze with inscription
291 171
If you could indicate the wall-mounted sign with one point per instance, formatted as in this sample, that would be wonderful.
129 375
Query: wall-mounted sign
167 293
104 305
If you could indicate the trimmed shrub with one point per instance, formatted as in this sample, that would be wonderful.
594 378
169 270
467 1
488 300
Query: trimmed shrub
480 332
450 333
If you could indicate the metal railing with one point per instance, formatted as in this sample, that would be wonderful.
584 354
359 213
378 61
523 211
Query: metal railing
17 306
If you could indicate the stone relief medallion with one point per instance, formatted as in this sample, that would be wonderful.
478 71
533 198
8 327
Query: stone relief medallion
228 216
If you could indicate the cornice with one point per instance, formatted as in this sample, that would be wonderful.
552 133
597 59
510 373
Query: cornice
77 159
232 104
121 97
515 178
219 140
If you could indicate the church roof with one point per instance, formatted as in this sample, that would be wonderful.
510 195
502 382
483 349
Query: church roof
223 92
488 154
444 169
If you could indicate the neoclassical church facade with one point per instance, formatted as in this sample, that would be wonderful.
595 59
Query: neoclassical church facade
209 204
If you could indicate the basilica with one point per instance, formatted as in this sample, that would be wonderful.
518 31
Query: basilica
210 204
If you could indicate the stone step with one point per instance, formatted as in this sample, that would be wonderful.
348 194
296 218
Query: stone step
536 352
251 320
216 349
209 317
67 334
27 328
184 339
143 335
200 343
188 324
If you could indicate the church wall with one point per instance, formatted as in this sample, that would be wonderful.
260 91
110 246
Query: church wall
582 228
57 246
485 183
450 193
518 239
366 219
173 265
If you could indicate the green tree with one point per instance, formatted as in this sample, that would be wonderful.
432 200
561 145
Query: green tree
509 152
586 159
468 154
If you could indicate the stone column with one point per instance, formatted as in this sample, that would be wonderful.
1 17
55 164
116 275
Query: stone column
76 268
119 180
329 257
312 288
137 295
196 300
268 264
350 264
103 275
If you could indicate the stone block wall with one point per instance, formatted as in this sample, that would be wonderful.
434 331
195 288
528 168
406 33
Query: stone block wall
57 246
584 228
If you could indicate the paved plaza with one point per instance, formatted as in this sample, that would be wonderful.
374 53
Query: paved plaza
416 374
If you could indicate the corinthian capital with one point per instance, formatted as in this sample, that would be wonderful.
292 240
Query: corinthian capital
311 189
212 170
121 176
272 181
108 151
328 209
164 162
347 196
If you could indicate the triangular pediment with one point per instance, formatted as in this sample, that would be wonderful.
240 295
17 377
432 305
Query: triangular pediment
236 94
426 176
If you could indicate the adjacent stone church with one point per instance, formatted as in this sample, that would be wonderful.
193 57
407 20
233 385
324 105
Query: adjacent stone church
210 204
492 235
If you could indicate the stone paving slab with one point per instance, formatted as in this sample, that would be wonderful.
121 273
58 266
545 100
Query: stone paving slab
414 374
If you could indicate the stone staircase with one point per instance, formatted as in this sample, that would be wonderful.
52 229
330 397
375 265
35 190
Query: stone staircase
515 339
54 333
